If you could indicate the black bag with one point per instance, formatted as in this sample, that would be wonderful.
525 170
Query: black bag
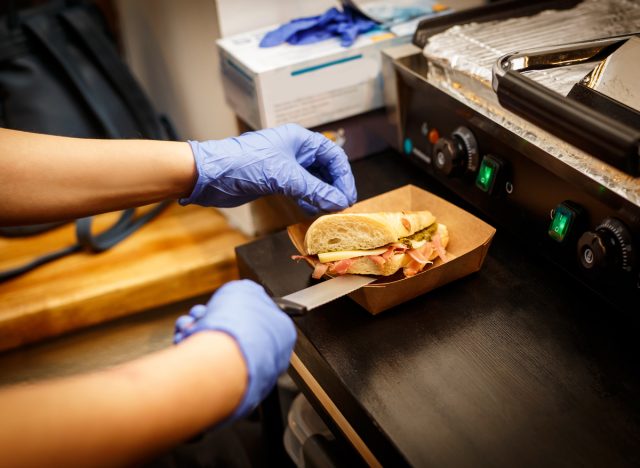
61 74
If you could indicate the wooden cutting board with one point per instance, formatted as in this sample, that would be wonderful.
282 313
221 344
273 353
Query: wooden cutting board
184 252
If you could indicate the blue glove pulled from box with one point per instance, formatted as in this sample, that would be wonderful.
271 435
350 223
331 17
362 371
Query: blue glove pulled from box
346 25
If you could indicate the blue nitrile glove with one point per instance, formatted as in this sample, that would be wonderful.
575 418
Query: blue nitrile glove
264 333
345 24
288 160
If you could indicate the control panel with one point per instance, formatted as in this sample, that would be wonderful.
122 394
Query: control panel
580 225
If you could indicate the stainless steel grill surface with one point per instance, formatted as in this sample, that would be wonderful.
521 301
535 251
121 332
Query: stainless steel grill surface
461 60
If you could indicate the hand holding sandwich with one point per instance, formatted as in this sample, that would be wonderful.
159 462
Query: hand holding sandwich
288 160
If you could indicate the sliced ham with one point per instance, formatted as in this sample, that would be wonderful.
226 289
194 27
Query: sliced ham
417 256
435 240
340 267
427 250
419 259
319 270
387 254
378 259
412 268
394 248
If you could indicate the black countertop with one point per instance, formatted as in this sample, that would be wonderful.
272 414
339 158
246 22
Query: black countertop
516 365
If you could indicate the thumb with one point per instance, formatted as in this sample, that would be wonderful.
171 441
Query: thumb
307 188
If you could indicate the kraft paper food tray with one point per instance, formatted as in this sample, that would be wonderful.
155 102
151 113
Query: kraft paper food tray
469 240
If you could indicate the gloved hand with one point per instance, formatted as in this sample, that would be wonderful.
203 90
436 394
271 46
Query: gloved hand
288 160
264 333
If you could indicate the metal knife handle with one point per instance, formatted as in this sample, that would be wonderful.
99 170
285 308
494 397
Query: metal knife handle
292 309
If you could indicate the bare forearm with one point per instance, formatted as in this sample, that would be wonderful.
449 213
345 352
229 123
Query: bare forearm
123 415
47 178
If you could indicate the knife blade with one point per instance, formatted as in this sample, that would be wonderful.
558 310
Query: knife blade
300 302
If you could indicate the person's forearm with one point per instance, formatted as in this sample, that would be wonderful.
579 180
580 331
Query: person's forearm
123 415
49 178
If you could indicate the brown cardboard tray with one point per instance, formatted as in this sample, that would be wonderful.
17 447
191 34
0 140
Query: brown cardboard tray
469 240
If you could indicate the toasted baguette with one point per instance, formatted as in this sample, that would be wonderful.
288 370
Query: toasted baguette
366 266
360 231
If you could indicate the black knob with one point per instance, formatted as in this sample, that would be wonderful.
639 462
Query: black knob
447 155
609 247
456 154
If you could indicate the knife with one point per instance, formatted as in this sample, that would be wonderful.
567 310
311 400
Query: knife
300 302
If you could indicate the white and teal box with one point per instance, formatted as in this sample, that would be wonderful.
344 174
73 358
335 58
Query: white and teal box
305 84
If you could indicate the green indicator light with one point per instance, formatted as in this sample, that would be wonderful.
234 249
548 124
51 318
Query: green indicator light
486 175
560 223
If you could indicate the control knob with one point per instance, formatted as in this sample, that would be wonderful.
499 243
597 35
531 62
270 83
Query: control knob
610 246
457 154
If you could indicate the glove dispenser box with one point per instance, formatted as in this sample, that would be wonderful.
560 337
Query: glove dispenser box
309 84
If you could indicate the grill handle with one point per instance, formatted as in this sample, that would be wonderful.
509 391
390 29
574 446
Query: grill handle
613 141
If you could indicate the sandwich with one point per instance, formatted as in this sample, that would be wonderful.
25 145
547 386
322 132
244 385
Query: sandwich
374 243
